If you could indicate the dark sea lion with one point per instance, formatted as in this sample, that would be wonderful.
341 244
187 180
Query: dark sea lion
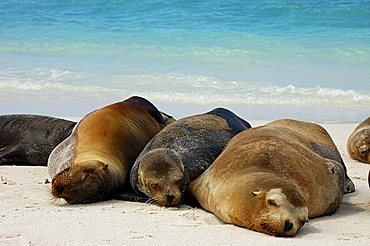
358 144
181 152
272 178
29 139
95 160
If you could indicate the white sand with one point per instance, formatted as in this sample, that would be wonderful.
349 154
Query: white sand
28 217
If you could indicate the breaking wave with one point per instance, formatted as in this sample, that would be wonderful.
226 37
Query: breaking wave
174 88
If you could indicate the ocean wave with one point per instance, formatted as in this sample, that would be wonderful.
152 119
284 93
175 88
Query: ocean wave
174 88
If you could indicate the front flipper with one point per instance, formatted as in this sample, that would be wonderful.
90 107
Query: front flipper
10 155
131 197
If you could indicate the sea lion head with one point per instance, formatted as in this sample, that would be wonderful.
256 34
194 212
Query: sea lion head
278 208
361 145
277 215
261 202
82 183
161 177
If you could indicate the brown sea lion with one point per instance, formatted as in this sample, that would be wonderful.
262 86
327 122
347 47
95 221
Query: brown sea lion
29 139
358 144
272 178
181 152
96 159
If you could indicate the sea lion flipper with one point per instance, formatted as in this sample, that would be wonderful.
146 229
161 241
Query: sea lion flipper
167 118
130 197
153 111
11 154
144 103
234 121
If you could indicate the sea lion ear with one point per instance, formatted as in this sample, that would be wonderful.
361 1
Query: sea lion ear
105 167
256 192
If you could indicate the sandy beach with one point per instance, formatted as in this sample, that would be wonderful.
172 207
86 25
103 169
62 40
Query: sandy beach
29 217
263 60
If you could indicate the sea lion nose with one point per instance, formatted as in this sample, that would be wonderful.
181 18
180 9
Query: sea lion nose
287 226
169 198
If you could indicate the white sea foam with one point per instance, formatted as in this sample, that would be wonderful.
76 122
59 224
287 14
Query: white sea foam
175 88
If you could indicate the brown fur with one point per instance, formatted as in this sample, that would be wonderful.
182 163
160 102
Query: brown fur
95 160
270 179
358 144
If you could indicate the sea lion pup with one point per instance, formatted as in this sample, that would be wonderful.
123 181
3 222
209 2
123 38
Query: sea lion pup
29 139
272 178
181 152
95 160
358 144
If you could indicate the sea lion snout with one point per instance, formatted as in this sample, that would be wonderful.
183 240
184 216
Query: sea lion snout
288 226
59 189
169 198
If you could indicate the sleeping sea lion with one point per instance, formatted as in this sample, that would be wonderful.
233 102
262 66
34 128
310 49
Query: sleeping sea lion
181 152
95 160
272 178
29 139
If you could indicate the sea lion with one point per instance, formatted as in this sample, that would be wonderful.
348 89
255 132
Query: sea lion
358 144
181 152
95 160
29 139
272 178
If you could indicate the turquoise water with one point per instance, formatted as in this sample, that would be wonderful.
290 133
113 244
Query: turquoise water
264 59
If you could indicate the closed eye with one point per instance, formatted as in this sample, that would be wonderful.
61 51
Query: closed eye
85 176
272 203
363 152
89 170
87 173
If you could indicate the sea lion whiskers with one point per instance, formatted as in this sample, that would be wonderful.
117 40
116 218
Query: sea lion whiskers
151 201
54 200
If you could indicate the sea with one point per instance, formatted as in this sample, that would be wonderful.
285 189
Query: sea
264 60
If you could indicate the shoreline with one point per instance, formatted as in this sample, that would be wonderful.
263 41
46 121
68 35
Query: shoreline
28 216
64 106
